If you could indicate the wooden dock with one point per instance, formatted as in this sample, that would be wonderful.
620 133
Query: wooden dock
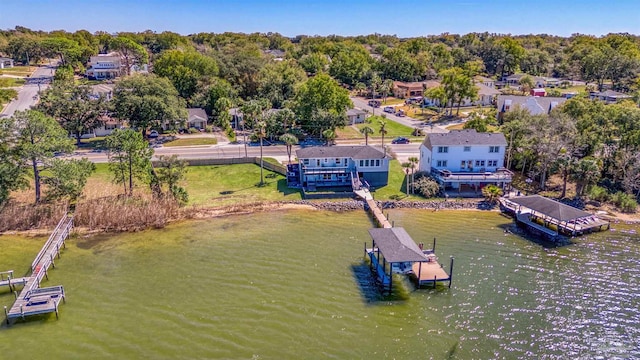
34 300
8 279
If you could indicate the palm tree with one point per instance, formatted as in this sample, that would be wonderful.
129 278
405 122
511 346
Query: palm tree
383 131
330 135
406 166
491 193
289 140
413 161
366 131
360 88
387 86
261 133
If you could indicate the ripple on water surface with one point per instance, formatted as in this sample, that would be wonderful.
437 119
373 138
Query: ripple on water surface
292 285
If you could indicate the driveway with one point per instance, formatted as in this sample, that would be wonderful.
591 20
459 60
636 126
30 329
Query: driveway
362 104
27 94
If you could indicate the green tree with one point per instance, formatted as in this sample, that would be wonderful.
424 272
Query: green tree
129 158
526 84
350 64
289 140
366 131
477 122
148 101
170 170
330 136
131 51
67 50
414 161
491 193
383 131
321 94
399 65
12 171
407 169
75 109
261 133
185 70
66 179
314 63
37 139
277 81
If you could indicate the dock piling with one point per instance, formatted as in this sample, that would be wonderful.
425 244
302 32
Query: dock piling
450 272
434 281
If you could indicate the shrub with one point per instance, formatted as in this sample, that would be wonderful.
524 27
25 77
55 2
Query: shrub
193 131
208 129
231 134
599 193
426 186
625 202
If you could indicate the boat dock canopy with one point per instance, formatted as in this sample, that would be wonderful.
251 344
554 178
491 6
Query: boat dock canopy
396 245
550 208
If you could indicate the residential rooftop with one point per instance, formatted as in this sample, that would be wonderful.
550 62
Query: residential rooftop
463 138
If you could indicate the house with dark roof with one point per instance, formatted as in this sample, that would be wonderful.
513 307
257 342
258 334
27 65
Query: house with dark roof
536 105
486 96
465 159
355 116
197 118
609 96
337 166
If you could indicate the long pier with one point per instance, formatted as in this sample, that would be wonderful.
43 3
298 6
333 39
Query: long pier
34 300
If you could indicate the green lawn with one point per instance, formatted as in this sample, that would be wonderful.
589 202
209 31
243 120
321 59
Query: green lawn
191 142
217 185
396 188
18 70
234 184
11 82
98 143
393 128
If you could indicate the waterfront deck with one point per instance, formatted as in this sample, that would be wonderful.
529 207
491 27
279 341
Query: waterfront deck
34 300
547 217
429 273
7 279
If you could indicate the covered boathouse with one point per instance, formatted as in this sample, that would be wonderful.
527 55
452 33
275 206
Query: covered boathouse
551 218
394 251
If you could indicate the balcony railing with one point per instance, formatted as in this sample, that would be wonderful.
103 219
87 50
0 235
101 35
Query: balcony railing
502 174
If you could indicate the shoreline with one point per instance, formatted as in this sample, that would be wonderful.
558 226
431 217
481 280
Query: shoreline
201 213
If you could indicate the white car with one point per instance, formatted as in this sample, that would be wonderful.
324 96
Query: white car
153 134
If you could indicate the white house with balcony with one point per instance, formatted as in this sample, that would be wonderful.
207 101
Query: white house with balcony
465 159
104 66
337 166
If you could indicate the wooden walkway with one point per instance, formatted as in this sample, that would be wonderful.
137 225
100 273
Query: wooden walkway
34 300
375 211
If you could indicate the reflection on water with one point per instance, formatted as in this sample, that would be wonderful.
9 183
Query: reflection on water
293 285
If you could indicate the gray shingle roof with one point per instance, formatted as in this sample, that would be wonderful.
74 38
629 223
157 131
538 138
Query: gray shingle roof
464 137
551 208
611 93
396 245
354 152
543 101
355 112
196 114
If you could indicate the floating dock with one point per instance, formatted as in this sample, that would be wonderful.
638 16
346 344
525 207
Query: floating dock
34 300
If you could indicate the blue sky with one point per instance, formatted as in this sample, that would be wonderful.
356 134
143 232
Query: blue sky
314 17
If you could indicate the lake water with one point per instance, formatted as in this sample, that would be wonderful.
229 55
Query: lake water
292 285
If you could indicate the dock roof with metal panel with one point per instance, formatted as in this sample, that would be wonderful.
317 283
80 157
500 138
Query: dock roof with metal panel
551 208
396 245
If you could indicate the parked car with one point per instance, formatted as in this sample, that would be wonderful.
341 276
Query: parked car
153 134
400 140
400 113
389 109
374 103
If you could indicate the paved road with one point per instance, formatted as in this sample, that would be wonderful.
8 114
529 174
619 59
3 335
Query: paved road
225 151
405 120
28 92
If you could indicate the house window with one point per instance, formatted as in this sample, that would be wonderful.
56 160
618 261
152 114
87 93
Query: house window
467 148
338 161
493 163
305 161
317 162
366 162
361 162
462 164
443 149
494 149
479 162
442 163
326 160
377 162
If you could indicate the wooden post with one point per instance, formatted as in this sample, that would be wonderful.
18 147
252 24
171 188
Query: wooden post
390 280
419 273
434 281
393 223
57 311
58 250
52 263
46 273
15 294
434 245
450 272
